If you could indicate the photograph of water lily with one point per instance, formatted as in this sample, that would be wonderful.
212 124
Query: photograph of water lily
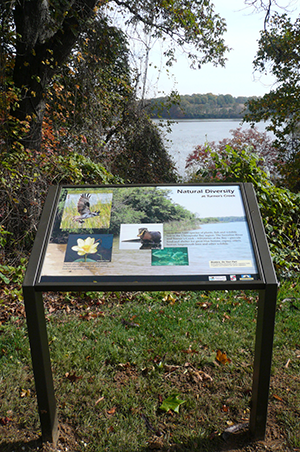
89 248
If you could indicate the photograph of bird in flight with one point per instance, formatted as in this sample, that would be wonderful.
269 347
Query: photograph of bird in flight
86 210
83 207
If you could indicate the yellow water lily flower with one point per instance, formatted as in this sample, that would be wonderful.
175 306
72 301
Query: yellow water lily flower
87 246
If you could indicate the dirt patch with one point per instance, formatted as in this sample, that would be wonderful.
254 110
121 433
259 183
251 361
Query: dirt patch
16 439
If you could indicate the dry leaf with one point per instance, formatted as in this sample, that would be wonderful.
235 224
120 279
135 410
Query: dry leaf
5 420
200 375
225 317
203 304
112 410
222 357
25 393
72 377
169 299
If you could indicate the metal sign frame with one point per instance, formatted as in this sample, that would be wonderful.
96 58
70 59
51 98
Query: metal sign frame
265 283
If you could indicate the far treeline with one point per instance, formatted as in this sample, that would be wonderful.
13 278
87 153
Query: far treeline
198 106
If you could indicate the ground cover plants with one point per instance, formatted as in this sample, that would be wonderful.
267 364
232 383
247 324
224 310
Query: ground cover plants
119 358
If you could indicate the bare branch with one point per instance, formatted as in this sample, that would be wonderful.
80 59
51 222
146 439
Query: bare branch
266 6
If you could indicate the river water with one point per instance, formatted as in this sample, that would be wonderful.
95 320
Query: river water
186 134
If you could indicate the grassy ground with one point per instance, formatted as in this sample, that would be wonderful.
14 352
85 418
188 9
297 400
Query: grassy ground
117 357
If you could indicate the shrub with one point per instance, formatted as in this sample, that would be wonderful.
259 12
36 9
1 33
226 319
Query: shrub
280 208
259 143
25 177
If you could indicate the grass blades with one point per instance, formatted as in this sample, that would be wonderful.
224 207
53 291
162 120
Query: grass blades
117 357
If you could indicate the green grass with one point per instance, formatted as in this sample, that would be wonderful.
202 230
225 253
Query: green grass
116 358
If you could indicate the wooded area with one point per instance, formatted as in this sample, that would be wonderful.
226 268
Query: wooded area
70 112
199 106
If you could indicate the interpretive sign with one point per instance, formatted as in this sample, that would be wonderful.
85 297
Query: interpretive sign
122 234
150 237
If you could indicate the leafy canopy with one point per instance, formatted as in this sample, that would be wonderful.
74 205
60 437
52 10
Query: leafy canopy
279 53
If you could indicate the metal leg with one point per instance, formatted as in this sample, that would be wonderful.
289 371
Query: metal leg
263 361
36 324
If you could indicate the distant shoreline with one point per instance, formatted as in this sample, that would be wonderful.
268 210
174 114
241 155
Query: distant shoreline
198 106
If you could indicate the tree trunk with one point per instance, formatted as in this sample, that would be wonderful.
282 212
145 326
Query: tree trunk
44 41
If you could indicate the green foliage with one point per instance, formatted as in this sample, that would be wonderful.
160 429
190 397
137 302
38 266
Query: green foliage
67 108
91 91
278 53
40 43
137 152
172 403
12 277
280 208
24 183
192 26
77 169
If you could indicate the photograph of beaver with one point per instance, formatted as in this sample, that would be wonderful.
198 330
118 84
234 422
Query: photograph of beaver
149 239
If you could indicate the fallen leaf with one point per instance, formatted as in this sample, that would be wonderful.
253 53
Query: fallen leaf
73 378
172 403
233 428
125 365
133 317
203 304
222 357
225 317
5 420
112 410
92 315
25 393
169 298
190 351
276 397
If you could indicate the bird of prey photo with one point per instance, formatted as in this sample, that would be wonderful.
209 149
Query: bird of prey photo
83 207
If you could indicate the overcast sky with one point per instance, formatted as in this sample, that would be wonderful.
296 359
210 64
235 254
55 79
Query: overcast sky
237 78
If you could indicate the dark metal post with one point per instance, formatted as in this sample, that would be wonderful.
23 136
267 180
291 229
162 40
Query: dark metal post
263 360
37 332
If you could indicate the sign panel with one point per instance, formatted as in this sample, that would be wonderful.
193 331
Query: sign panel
199 231
183 237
